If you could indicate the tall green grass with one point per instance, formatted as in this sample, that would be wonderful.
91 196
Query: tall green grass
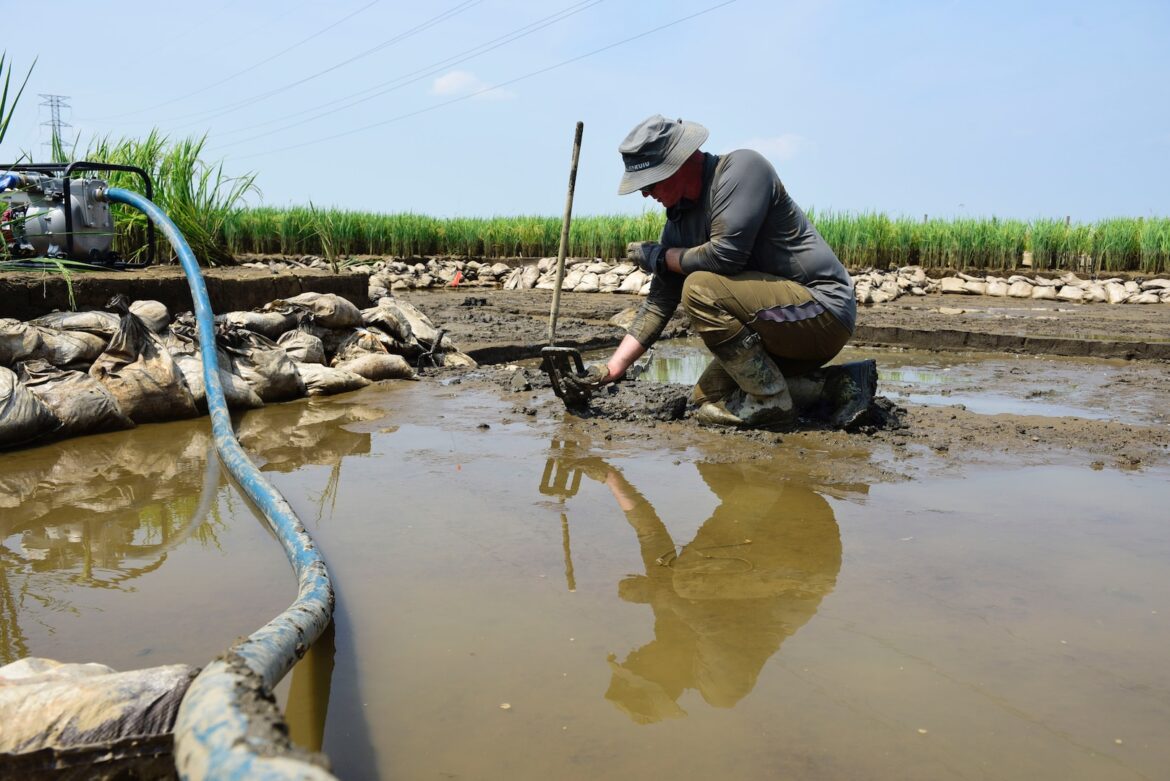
8 98
870 239
198 196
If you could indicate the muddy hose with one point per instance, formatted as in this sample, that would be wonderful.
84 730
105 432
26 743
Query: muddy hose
228 726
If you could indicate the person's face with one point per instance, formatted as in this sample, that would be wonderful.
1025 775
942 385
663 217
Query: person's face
668 192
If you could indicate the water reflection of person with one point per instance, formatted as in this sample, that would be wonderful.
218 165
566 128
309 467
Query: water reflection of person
755 572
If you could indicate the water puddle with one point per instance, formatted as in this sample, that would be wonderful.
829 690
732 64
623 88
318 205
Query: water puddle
520 599
984 383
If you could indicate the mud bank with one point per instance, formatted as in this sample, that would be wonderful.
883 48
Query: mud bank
501 325
25 295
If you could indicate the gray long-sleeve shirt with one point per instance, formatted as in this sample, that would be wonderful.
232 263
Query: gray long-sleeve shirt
744 220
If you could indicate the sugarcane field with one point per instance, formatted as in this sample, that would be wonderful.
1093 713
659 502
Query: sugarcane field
353 425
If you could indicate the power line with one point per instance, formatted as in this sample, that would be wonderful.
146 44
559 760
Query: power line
252 100
239 73
509 82
413 76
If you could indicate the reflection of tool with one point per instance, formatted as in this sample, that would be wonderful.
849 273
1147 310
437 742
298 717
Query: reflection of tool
562 483
558 362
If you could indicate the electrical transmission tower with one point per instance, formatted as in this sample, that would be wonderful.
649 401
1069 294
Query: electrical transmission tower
55 123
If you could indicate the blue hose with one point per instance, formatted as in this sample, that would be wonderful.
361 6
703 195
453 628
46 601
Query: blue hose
228 726
8 180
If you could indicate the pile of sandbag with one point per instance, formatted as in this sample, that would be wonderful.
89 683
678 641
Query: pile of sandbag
72 373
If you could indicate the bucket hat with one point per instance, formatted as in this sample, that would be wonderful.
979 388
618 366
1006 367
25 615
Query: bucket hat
655 149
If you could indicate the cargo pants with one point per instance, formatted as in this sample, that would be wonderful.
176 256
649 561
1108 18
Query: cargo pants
796 330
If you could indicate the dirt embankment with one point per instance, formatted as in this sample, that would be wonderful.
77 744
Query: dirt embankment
499 326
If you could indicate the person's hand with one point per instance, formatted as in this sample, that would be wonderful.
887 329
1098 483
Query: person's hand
648 255
592 380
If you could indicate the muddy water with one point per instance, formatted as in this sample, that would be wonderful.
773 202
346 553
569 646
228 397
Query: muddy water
984 383
639 611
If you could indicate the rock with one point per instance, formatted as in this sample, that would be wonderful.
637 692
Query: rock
520 382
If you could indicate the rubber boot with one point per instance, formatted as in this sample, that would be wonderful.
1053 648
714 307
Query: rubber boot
849 391
762 399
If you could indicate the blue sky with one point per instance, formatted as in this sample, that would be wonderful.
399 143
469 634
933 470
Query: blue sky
1020 109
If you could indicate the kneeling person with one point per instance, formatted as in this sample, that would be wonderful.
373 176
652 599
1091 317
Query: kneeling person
762 289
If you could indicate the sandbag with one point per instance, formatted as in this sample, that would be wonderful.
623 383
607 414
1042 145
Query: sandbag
420 325
325 309
154 314
270 323
331 338
18 341
456 359
360 342
51 705
81 403
302 346
76 349
23 417
236 391
92 321
262 363
325 381
182 336
142 375
389 319
382 366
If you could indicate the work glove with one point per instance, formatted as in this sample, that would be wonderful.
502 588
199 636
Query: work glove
589 382
650 256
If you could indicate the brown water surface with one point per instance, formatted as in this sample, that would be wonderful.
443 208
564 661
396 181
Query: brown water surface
640 612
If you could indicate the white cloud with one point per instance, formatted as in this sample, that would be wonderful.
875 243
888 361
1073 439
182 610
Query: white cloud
456 83
779 148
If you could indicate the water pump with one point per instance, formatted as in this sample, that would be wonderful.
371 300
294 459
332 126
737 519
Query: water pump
45 212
